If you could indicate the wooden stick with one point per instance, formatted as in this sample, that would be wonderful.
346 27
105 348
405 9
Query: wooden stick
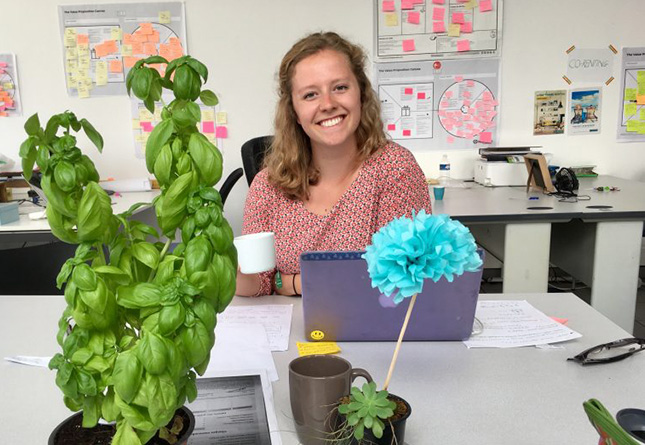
398 343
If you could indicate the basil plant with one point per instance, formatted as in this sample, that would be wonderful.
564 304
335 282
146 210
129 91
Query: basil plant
140 318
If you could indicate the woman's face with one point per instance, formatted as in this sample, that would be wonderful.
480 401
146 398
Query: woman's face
327 99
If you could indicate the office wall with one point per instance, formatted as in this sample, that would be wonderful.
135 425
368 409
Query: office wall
242 44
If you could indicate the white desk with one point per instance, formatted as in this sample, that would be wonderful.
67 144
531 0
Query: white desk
458 396
38 230
600 246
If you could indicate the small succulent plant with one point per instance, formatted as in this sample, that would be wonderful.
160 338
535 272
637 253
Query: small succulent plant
367 408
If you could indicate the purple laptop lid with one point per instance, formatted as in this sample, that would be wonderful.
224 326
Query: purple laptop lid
339 303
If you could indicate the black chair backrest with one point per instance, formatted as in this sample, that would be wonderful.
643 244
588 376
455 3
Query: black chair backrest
253 152
230 181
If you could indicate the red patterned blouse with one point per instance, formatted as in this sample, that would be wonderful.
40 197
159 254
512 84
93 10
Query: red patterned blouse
390 184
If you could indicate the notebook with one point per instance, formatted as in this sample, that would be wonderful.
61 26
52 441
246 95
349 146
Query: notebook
339 303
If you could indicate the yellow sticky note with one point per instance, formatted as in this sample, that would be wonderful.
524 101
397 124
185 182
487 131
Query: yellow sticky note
126 50
323 347
164 16
135 124
101 80
454 30
632 126
641 128
71 66
145 115
70 37
630 94
391 19
83 91
472 4
630 109
7 86
221 118
116 33
141 138
210 137
71 53
157 114
208 115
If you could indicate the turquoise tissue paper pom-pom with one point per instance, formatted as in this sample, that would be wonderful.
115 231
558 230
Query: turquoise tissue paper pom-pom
407 251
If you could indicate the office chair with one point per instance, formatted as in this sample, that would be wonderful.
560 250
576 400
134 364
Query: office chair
229 182
253 152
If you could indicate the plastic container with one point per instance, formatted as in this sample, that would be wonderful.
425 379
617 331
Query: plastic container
444 170
8 212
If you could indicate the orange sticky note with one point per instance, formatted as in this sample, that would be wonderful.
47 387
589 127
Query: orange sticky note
388 6
110 46
640 99
128 39
82 38
140 37
485 5
130 61
438 13
137 48
463 45
458 17
438 27
408 45
149 49
100 50
116 66
145 28
414 17
154 37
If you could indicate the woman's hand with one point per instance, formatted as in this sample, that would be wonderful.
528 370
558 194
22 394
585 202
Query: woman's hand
247 285
291 285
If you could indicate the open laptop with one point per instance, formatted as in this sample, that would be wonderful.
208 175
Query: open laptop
339 303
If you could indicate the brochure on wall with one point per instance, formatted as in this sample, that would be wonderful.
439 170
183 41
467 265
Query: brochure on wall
631 114
590 64
235 408
584 111
448 104
102 42
437 29
9 91
550 111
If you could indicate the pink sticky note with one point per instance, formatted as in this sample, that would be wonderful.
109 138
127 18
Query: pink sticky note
391 127
414 17
208 127
486 137
408 45
388 6
421 95
466 94
408 91
147 126
471 111
450 140
221 131
448 94
459 78
470 83
560 320
458 17
407 132
466 102
438 13
444 104
485 5
407 4
487 95
467 117
463 45
466 27
438 2
438 26
3 64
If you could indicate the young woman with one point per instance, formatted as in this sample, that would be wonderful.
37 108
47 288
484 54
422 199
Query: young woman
331 179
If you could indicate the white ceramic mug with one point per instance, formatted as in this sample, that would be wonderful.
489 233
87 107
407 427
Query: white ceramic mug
255 252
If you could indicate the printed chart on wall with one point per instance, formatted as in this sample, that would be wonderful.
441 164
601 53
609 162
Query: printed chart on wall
9 91
212 124
631 115
437 29
452 104
102 42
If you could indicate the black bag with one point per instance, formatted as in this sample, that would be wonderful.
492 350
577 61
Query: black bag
566 181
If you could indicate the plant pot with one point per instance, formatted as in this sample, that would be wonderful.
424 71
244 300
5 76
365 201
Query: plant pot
394 431
70 431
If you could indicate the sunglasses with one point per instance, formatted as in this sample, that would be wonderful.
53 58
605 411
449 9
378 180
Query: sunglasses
610 352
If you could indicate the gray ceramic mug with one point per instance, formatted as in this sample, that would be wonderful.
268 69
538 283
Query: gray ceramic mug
316 383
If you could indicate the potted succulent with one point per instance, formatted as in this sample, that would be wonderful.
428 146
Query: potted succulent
140 316
403 254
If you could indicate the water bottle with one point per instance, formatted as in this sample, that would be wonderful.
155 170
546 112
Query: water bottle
444 170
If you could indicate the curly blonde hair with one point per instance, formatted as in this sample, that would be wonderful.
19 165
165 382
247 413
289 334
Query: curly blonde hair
289 159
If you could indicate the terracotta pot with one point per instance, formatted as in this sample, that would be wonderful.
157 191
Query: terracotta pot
102 434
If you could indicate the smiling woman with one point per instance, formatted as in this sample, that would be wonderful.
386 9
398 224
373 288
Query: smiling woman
331 178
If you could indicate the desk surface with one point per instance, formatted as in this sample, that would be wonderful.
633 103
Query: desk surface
458 396
504 204
24 225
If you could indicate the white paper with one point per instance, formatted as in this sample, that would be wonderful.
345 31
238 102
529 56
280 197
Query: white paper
29 360
590 64
227 410
276 319
512 324
240 346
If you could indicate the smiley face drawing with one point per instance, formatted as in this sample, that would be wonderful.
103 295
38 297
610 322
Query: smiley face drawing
317 335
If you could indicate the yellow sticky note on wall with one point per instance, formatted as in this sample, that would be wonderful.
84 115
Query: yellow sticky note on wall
630 94
164 16
221 118
116 33
70 37
323 347
630 109
391 19
208 115
454 30
632 126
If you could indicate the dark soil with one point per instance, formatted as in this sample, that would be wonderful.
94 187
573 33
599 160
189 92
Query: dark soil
72 433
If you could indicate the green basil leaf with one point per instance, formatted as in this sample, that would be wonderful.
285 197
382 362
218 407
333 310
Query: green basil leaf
188 229
84 277
94 210
163 165
173 207
64 273
199 67
141 83
114 273
93 175
86 383
32 125
26 146
166 269
208 98
195 112
210 194
42 158
198 255
28 161
92 134
226 273
135 416
221 237
177 365
139 296
159 136
152 353
96 299
197 342
55 196
163 391
183 82
62 227
206 158
127 374
65 176
146 253
191 388
206 313
109 410
170 318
